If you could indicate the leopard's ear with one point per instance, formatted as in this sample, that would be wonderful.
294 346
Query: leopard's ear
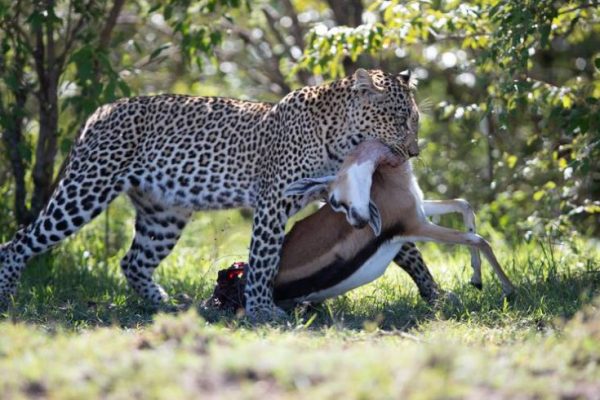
364 83
405 76
408 79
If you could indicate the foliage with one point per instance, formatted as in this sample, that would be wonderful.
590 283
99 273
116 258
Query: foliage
40 41
525 71
60 60
514 126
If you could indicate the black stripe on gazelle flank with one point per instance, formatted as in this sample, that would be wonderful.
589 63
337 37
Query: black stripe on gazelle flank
337 271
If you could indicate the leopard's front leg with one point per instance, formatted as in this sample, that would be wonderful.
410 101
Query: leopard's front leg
268 232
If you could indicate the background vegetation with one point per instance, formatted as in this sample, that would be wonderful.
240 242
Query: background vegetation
509 92
510 88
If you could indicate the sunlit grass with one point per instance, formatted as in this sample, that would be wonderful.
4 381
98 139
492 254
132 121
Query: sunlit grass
76 330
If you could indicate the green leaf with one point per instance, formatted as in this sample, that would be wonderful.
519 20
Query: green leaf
83 59
110 93
65 145
35 19
25 152
168 12
537 196
545 34
597 62
124 88
154 7
159 50
592 209
215 38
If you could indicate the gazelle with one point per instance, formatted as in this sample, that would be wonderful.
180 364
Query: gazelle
324 255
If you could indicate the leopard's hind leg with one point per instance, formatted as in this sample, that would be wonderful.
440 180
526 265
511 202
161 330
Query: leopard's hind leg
157 230
82 193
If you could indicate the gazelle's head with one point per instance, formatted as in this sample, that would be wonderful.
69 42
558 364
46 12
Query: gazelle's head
383 107
350 189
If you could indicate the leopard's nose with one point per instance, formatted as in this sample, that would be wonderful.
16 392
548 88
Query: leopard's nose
413 149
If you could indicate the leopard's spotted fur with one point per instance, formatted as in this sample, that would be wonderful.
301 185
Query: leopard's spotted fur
175 154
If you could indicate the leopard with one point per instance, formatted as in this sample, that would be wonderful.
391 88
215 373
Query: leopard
173 155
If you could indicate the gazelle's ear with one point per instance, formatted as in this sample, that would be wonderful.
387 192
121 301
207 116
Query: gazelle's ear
374 218
364 83
308 185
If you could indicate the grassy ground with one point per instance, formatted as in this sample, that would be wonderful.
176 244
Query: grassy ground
76 331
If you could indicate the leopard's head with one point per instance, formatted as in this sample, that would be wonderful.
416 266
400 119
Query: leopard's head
383 107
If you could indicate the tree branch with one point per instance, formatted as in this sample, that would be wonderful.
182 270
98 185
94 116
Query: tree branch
296 29
579 7
13 136
50 46
271 60
70 39
348 13
271 16
111 21
39 54
47 96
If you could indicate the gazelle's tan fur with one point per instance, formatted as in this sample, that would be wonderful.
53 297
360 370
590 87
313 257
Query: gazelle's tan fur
324 256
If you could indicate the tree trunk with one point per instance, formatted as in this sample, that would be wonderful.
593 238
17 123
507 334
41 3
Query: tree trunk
45 155
489 130
348 13
13 140
48 71
12 117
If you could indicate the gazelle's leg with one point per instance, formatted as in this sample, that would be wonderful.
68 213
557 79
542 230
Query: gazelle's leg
435 233
441 207
410 260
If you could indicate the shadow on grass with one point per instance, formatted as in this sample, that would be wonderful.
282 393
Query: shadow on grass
79 296
536 303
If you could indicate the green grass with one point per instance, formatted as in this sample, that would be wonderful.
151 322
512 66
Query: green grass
76 331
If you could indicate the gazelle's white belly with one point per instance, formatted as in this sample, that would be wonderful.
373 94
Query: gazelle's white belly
372 269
